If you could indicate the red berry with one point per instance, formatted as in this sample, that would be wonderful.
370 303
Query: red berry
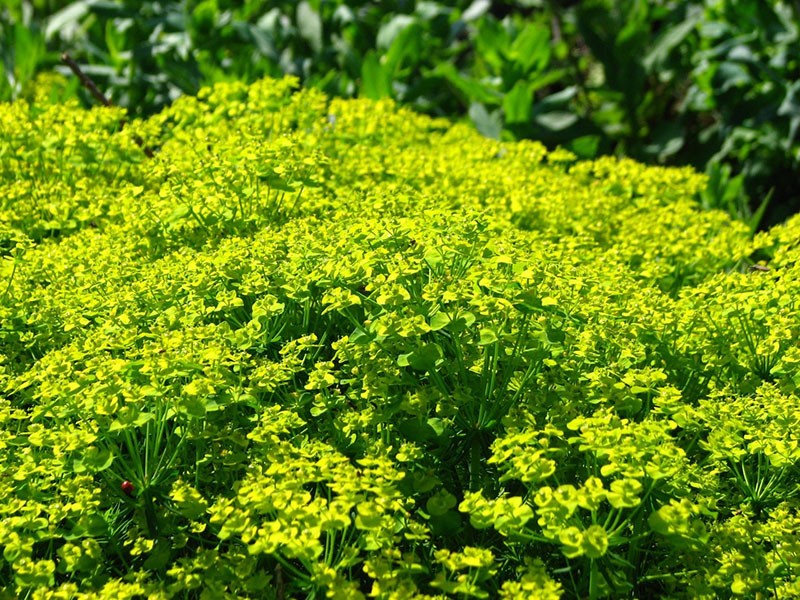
127 487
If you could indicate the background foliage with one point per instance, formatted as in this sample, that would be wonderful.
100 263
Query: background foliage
710 83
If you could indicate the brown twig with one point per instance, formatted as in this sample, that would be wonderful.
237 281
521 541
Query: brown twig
90 85
279 589
86 81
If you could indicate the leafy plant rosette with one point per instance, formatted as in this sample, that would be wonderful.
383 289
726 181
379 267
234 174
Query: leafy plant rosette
320 347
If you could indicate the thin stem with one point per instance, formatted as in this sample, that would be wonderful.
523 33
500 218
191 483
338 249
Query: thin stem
90 85
10 279
85 80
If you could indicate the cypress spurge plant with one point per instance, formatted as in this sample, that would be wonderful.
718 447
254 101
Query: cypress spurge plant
324 348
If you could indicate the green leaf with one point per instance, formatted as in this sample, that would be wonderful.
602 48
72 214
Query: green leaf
67 19
423 358
560 99
790 106
488 124
492 42
309 24
361 336
406 46
671 39
416 431
92 525
476 10
437 424
659 524
192 407
93 460
487 336
179 213
440 503
448 524
424 482
531 48
548 77
143 417
439 321
433 257
29 50
585 146
389 31
517 103
754 219
731 75
558 120
473 91
114 42
464 321
375 80
667 140
159 556
277 181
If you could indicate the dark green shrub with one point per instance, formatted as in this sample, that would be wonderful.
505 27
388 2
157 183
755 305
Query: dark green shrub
706 83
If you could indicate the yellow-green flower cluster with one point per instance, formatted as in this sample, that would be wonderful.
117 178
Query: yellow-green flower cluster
325 348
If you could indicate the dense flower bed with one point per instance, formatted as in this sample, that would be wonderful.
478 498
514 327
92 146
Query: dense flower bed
330 348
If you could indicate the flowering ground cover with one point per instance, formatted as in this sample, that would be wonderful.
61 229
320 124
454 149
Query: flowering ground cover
330 348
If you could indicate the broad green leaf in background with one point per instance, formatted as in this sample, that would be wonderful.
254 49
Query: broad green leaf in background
6 90
115 42
66 21
557 120
531 48
492 42
585 146
667 139
389 31
731 75
29 50
406 45
517 103
375 80
671 39
309 24
489 124
476 10
470 89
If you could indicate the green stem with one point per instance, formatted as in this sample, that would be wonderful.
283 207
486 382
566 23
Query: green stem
10 279
593 592
150 516
475 465
491 361
291 568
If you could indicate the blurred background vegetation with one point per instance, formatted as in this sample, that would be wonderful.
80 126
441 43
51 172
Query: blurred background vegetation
709 83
